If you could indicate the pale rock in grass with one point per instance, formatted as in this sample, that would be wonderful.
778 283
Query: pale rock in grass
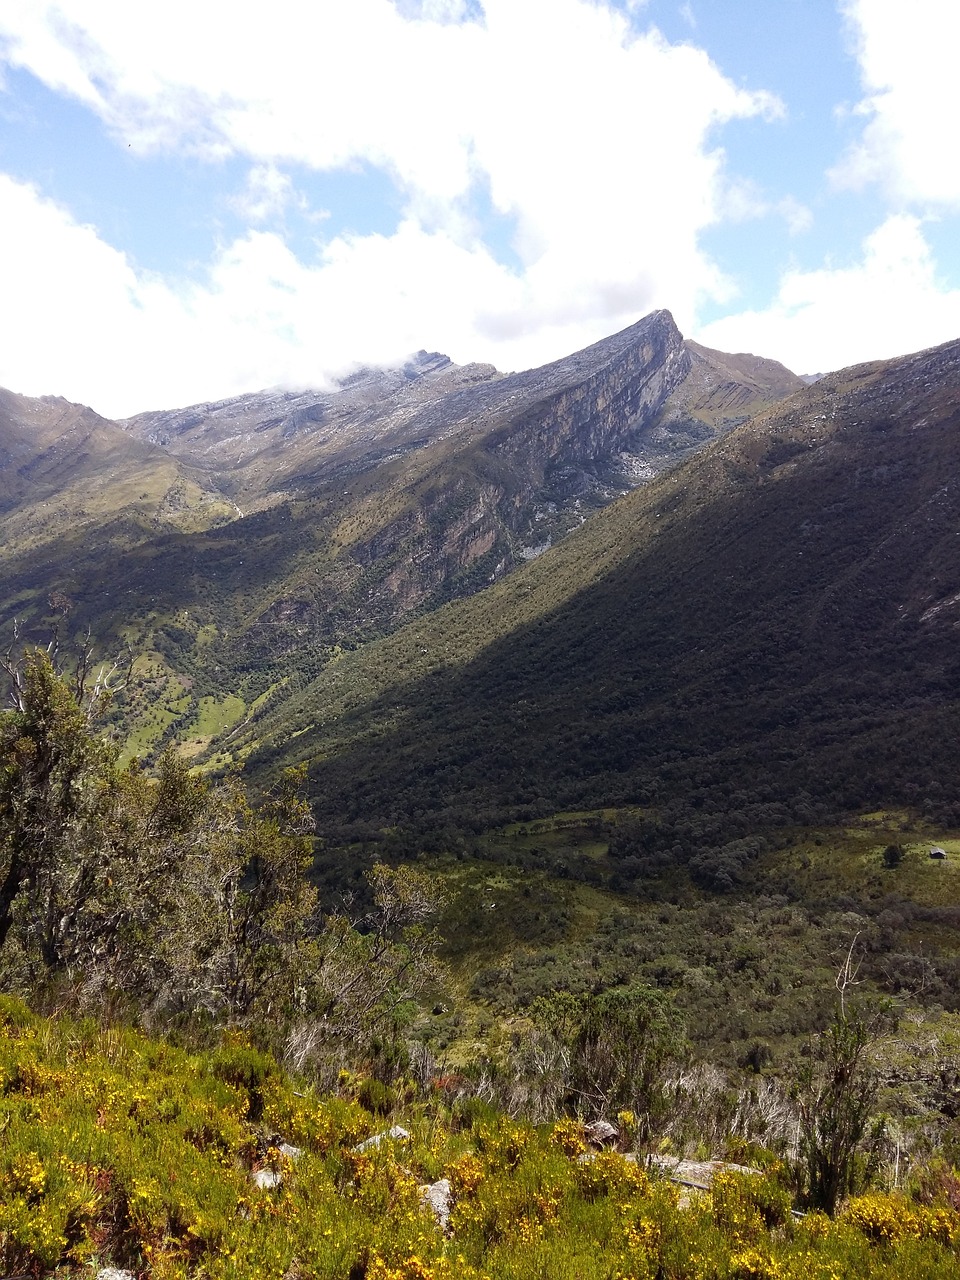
395 1132
601 1133
438 1197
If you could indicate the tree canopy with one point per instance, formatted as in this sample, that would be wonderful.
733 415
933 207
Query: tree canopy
179 895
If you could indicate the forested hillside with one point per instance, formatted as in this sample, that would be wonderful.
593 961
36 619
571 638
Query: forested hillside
770 624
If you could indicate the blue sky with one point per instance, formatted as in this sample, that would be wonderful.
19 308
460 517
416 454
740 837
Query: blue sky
208 197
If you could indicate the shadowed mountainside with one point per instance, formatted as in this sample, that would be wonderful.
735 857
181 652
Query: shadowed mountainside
777 616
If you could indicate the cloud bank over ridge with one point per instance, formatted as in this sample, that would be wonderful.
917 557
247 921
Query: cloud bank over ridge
553 169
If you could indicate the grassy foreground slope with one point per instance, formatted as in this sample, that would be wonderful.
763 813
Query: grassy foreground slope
775 619
126 1151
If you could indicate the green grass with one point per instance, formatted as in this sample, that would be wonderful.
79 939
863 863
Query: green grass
152 702
214 716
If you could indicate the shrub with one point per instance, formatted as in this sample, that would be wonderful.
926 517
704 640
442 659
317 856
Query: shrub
239 1064
376 1097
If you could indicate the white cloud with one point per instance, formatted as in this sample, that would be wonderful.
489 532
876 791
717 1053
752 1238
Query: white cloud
267 195
889 303
435 10
742 200
908 66
124 341
798 217
594 142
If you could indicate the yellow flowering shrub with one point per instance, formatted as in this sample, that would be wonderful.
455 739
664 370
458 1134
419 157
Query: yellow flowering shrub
465 1175
747 1205
31 1234
567 1134
415 1268
122 1150
27 1176
940 1224
888 1219
882 1218
503 1145
752 1264
610 1174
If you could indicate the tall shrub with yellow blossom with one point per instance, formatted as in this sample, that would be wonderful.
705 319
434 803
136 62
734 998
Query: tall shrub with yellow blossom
118 1149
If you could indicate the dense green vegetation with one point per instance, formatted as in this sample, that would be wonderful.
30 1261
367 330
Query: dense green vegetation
760 640
641 832
753 973
178 900
172 903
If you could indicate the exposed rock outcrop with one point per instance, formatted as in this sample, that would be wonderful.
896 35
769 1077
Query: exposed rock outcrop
438 1198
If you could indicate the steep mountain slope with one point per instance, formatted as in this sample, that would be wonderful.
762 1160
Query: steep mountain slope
268 444
271 445
66 470
775 619
334 516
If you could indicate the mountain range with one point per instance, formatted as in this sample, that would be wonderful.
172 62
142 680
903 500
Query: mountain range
462 596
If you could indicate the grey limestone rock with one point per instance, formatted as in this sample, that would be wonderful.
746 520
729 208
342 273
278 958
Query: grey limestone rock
601 1133
396 1132
696 1173
438 1197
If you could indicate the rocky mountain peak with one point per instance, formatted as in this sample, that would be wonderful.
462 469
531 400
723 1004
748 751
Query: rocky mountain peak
425 362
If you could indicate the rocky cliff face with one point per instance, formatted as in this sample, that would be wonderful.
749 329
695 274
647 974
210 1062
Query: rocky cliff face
605 407
497 470
538 450
455 502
